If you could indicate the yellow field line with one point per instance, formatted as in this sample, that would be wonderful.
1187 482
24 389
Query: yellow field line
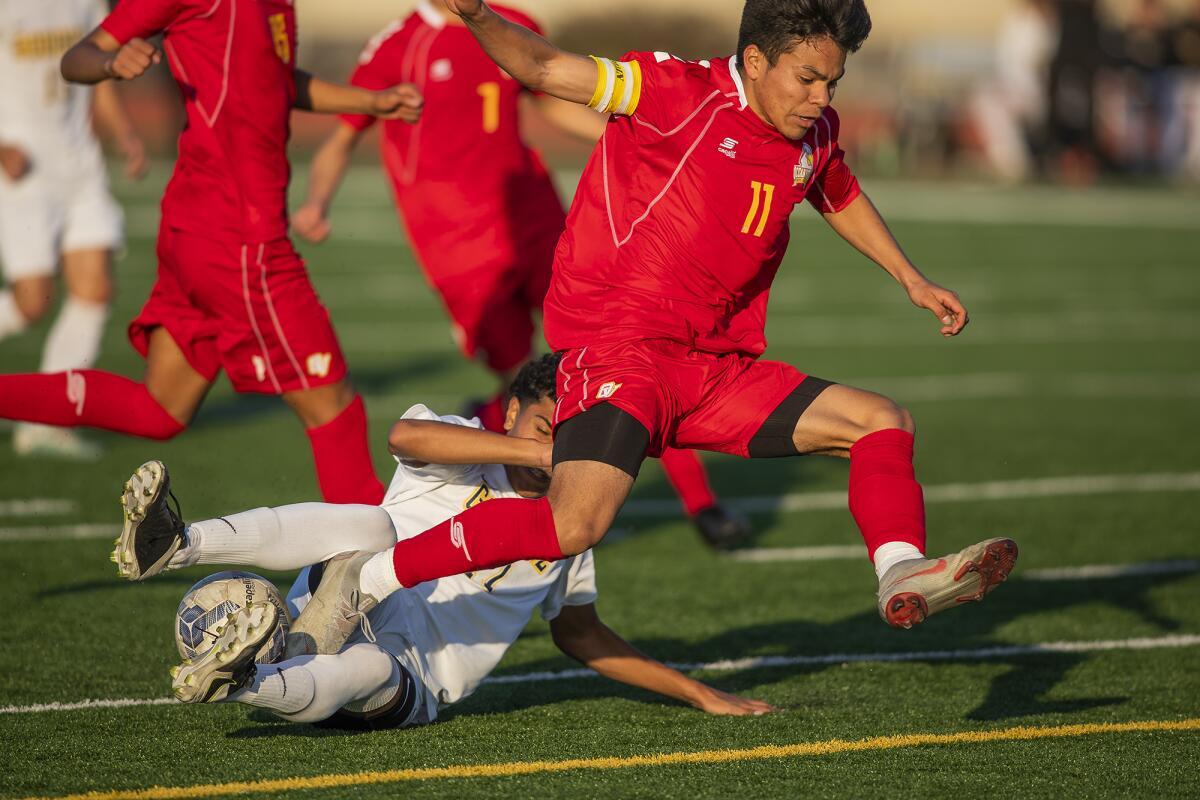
621 762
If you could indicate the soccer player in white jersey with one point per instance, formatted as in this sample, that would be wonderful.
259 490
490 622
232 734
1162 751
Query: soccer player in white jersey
422 649
55 206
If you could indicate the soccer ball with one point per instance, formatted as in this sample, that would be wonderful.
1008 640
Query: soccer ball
209 603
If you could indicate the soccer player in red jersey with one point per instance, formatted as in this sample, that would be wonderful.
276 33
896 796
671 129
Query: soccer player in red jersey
491 267
658 304
231 293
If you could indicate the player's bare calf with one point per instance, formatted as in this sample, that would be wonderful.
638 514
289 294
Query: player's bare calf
153 530
912 590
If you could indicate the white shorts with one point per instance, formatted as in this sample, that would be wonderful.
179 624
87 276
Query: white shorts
42 217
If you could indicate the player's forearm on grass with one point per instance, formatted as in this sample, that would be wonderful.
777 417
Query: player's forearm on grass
432 442
533 61
593 644
329 165
861 225
323 97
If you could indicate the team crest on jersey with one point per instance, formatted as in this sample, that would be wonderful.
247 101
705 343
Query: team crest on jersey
317 365
484 492
441 70
607 390
804 168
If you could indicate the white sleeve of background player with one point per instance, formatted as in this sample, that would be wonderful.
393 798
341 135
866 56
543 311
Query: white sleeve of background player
576 586
441 473
97 11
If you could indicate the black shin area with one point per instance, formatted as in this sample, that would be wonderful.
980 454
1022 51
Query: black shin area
774 438
603 433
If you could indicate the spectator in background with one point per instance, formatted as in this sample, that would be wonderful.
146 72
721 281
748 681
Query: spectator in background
1010 113
1182 137
1149 89
1072 81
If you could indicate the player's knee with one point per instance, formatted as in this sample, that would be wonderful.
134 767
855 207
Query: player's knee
887 415
34 301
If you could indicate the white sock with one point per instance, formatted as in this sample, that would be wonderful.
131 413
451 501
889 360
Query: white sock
74 340
287 537
11 319
378 576
312 688
890 554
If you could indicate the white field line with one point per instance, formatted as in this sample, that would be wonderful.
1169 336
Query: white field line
40 533
37 507
1067 485
728 665
1101 571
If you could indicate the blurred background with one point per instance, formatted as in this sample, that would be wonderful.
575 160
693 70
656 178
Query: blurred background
1068 91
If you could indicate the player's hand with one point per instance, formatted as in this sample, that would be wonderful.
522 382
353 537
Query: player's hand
310 223
715 701
14 162
134 153
464 8
403 102
944 304
132 60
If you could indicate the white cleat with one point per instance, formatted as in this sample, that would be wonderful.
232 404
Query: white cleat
336 608
152 530
229 664
47 441
912 590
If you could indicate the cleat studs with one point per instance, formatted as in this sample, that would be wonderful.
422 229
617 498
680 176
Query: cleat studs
174 672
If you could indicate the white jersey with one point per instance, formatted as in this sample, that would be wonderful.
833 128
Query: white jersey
452 632
39 112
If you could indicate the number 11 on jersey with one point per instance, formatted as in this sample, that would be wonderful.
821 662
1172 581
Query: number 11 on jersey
764 193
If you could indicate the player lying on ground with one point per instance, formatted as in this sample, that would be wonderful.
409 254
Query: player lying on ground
658 305
428 647
55 206
491 266
232 294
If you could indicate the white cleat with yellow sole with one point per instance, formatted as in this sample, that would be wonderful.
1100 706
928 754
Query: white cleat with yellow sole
229 664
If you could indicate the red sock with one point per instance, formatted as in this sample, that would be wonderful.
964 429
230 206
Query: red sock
86 397
343 459
486 535
885 498
491 413
686 473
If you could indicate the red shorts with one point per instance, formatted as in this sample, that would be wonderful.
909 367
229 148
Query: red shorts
246 308
686 398
492 308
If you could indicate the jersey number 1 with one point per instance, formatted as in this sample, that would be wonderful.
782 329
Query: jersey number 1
763 194
490 92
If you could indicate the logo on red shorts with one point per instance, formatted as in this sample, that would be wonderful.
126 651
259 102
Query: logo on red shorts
318 364
607 390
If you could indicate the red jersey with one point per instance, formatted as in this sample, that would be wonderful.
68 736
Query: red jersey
471 192
681 217
234 61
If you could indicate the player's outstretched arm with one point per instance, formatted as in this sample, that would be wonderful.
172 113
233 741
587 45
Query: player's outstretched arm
403 102
860 224
98 57
429 442
579 633
329 165
530 59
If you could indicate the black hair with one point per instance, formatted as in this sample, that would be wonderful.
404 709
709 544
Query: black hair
776 26
537 379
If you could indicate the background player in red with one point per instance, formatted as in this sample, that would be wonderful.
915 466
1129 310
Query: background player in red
479 207
231 293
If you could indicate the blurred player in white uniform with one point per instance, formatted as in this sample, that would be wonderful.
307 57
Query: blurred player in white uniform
423 648
55 207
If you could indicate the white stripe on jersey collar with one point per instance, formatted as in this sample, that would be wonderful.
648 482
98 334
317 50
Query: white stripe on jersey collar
737 80
430 15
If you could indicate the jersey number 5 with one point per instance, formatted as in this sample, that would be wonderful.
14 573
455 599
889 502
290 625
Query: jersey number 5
490 92
764 193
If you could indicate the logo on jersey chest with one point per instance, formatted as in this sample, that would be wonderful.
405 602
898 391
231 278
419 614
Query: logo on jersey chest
441 70
726 147
804 167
